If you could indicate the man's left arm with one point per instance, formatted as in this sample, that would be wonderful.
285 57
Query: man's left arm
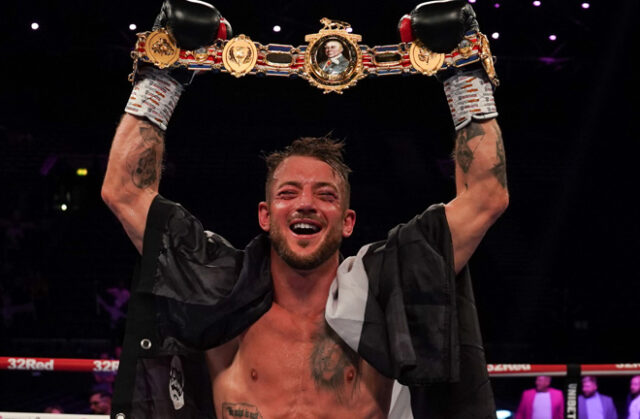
481 187
481 177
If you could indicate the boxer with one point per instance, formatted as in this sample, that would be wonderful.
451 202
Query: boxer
287 328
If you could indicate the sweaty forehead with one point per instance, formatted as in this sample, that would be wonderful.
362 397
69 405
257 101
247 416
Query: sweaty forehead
304 169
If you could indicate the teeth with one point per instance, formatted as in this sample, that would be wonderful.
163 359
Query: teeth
303 225
304 228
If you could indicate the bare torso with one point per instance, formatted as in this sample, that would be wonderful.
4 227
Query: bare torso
290 366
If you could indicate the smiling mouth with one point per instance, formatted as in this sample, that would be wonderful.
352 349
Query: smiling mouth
304 228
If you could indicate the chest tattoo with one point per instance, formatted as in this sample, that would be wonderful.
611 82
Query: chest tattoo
334 365
240 410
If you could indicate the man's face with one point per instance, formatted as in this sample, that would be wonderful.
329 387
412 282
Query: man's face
100 405
332 49
306 216
634 387
542 382
588 387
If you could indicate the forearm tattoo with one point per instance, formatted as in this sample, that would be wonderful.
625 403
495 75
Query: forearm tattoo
499 170
464 155
240 410
334 365
147 164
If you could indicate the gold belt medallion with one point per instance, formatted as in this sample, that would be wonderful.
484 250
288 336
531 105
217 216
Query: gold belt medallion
425 61
333 58
161 48
239 56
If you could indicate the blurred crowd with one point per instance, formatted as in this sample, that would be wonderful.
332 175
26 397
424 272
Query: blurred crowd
544 401
57 299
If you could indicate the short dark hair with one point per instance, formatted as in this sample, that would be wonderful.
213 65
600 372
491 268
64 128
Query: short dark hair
103 394
323 148
591 378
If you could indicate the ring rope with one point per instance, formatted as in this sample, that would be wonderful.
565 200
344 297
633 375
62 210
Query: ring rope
34 415
495 370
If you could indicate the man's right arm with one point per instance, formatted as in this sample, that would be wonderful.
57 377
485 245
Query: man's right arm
135 161
133 174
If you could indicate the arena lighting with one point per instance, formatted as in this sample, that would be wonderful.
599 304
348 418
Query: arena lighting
472 1
82 171
35 26
497 5
133 27
537 3
64 207
277 28
495 35
552 37
585 5
349 29
503 414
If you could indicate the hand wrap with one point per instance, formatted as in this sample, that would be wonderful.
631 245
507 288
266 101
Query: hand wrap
470 97
154 96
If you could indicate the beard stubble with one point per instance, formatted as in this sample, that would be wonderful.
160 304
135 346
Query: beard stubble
327 248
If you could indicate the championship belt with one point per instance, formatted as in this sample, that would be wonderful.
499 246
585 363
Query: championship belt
332 60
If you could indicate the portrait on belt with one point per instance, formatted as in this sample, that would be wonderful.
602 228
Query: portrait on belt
332 56
333 59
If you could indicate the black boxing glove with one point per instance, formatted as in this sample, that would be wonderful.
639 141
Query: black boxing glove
193 23
439 25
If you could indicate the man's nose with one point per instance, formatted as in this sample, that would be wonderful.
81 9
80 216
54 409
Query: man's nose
306 201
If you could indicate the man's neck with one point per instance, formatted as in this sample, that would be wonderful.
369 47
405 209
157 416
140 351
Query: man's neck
302 292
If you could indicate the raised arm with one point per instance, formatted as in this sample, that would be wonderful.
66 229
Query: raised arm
135 161
133 174
481 186
481 179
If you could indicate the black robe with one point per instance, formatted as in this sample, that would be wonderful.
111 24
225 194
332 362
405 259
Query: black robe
398 303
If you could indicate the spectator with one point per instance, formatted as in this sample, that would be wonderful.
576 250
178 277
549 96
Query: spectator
103 380
16 301
593 405
543 401
632 410
15 237
116 307
53 409
100 403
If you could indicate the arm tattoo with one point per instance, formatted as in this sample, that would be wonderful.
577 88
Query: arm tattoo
145 174
463 153
499 170
240 410
334 365
145 171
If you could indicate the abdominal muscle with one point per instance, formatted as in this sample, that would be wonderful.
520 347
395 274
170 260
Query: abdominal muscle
290 366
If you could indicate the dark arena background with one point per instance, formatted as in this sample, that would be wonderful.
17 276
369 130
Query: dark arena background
555 279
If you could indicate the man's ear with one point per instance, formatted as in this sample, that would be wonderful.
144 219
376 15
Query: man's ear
348 223
264 217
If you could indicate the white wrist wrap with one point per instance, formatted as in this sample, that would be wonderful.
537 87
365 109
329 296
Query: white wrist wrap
154 96
470 96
